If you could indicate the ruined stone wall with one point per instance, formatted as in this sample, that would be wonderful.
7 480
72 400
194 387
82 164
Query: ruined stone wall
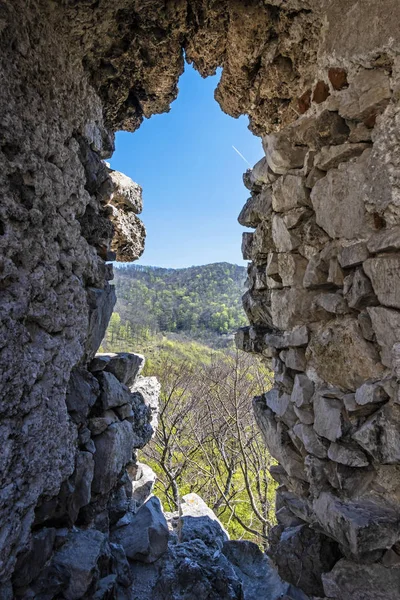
320 77
323 300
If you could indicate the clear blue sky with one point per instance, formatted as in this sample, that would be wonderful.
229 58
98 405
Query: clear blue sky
191 177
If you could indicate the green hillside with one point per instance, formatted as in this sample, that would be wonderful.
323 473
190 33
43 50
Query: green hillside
201 303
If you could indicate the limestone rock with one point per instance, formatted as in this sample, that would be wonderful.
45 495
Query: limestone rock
101 304
143 479
386 325
112 392
262 241
291 307
297 337
303 390
346 455
144 395
379 435
260 175
353 255
328 422
291 269
347 370
129 237
284 239
247 245
256 209
330 157
114 449
384 273
125 192
360 526
82 392
332 303
32 561
354 581
125 366
145 536
289 192
312 443
384 241
281 154
367 95
295 359
370 393
358 290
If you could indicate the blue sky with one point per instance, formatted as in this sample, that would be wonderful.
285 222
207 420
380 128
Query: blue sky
191 177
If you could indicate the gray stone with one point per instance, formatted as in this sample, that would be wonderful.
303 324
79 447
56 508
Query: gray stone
303 390
114 449
316 274
256 209
289 192
361 527
312 443
370 393
364 320
328 417
368 94
384 241
291 269
277 401
332 303
330 157
339 202
277 440
99 424
262 241
145 536
347 455
261 174
125 411
348 369
384 272
291 307
353 255
386 325
101 304
295 216
146 392
247 245
359 133
295 359
112 392
354 581
281 154
314 175
379 435
82 392
143 479
284 239
31 562
125 366
358 290
126 193
297 337
305 415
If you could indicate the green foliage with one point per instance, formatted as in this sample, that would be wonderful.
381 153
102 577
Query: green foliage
202 302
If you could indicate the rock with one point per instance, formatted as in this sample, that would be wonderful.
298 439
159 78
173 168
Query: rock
112 392
332 303
82 392
256 209
386 326
101 304
297 337
314 175
120 565
145 536
289 192
312 443
367 95
254 570
281 154
354 581
284 240
295 359
106 588
364 320
247 245
257 308
370 393
302 555
277 440
126 193
346 455
384 273
305 415
291 269
316 273
359 133
347 370
387 240
358 290
353 255
291 307
262 241
335 273
361 527
99 424
125 366
339 202
295 217
78 562
328 417
318 130
146 392
143 479
379 435
277 401
330 157
30 563
125 412
114 449
261 175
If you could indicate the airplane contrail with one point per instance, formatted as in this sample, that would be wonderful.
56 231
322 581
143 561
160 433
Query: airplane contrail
241 155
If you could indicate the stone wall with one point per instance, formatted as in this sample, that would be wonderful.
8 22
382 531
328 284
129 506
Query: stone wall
319 79
323 298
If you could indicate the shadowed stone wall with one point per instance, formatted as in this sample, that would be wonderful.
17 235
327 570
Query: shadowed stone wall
319 80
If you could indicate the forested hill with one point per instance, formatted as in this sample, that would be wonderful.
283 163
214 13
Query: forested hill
199 302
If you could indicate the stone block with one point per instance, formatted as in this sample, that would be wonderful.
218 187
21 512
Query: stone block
284 239
330 157
384 273
256 209
385 241
101 304
289 192
247 245
303 390
370 393
82 392
295 359
112 392
357 581
368 94
126 193
281 154
353 255
386 326
125 366
297 337
358 291
291 269
114 449
379 435
328 418
293 306
311 441
347 455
